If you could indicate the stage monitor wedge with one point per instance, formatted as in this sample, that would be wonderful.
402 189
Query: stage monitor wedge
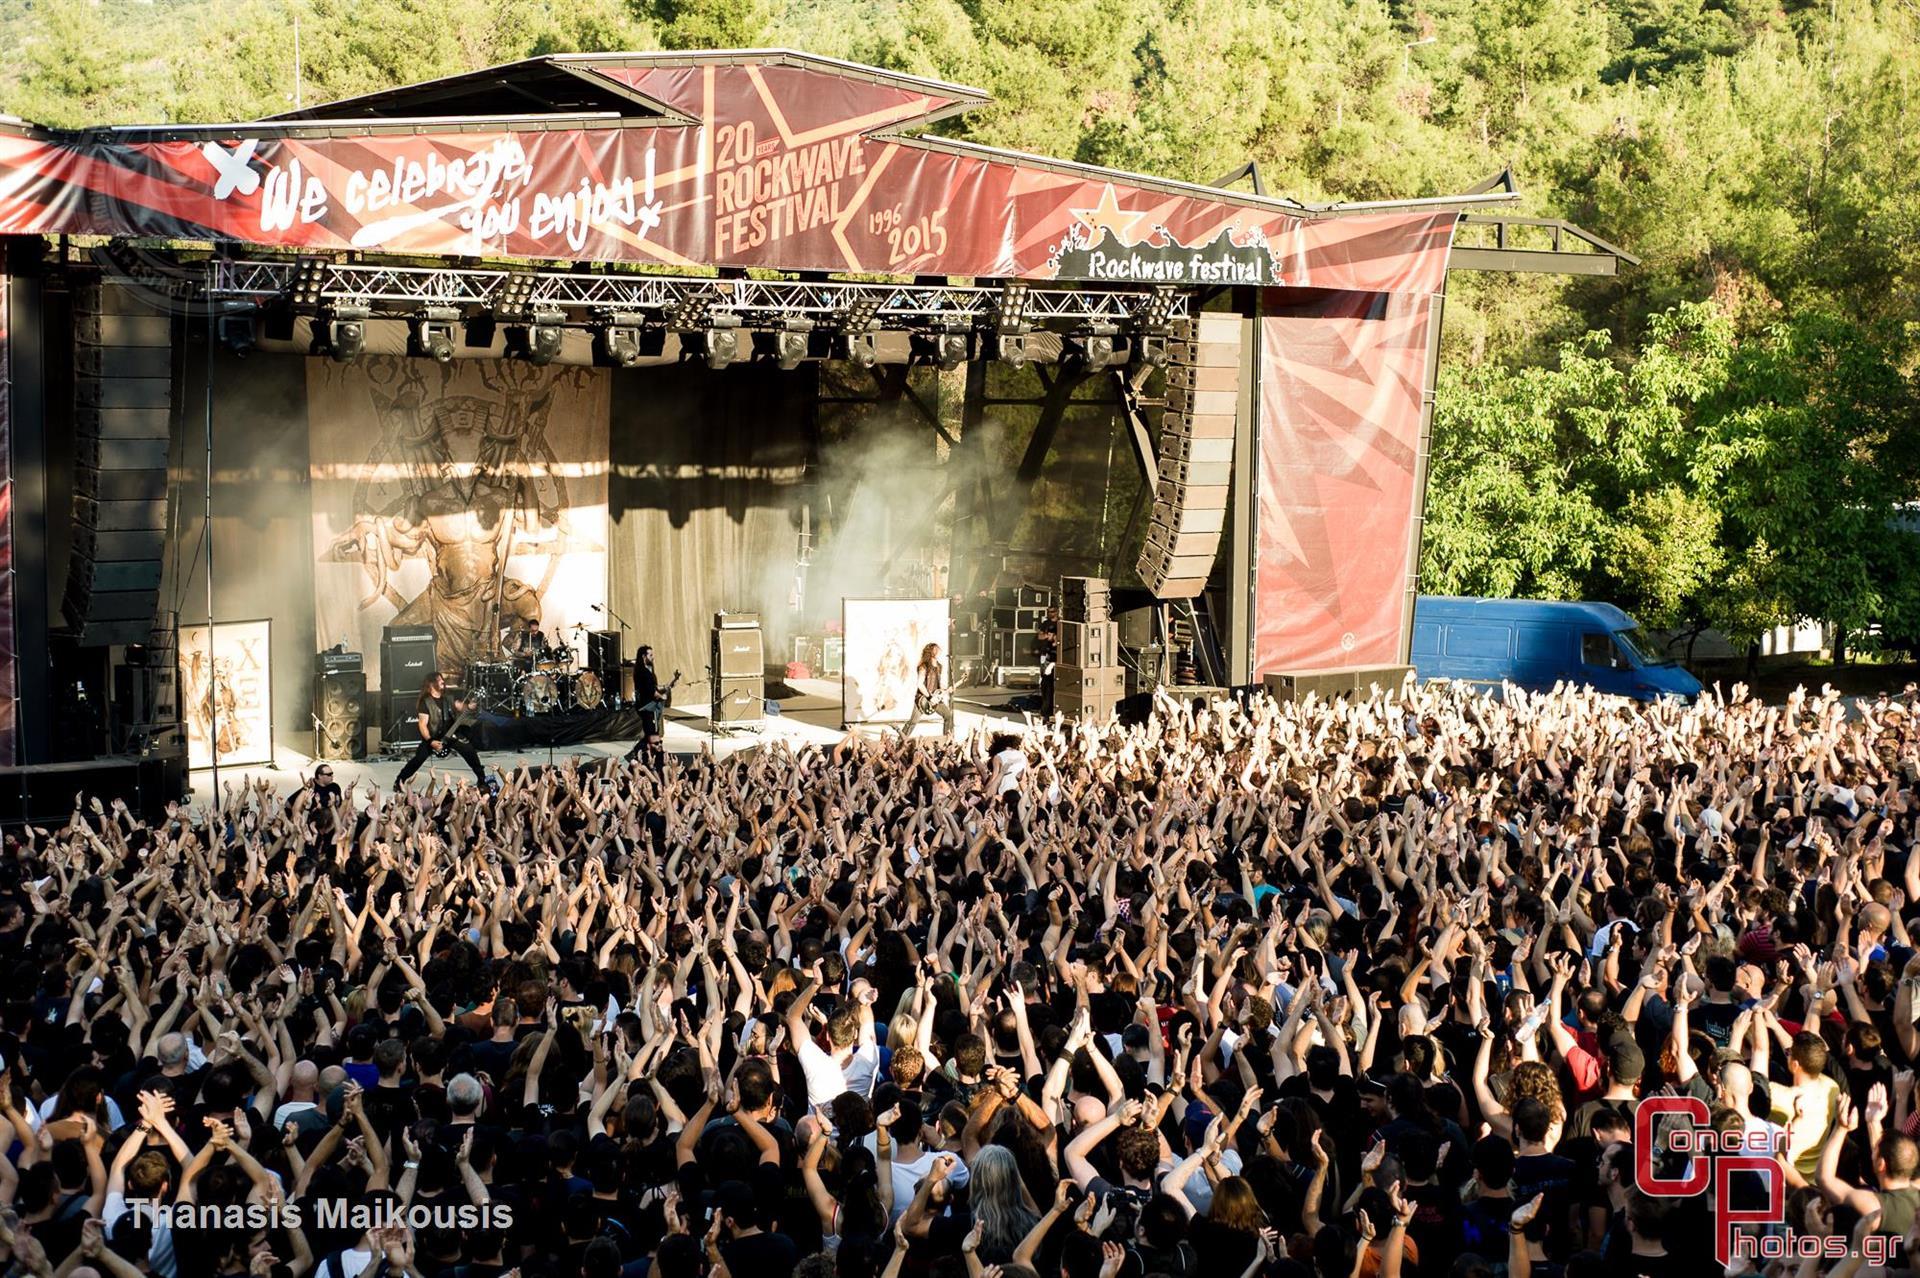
122 433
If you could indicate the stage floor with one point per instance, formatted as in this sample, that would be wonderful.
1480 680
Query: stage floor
809 715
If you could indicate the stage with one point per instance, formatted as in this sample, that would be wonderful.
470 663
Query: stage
809 715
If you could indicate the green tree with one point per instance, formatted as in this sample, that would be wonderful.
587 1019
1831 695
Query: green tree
1813 446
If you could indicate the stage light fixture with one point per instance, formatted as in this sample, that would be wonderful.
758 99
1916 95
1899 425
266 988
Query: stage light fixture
862 311
237 333
514 297
863 348
791 341
616 343
1012 349
1096 349
1155 312
341 334
539 342
720 340
430 334
948 348
309 283
689 313
1151 348
1011 307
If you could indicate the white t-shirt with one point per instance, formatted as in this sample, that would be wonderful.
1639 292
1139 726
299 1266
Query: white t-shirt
826 1078
288 1110
1012 764
908 1175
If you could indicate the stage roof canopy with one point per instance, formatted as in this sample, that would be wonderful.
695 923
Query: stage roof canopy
696 162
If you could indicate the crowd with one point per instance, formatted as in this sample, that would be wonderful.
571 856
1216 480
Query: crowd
1430 984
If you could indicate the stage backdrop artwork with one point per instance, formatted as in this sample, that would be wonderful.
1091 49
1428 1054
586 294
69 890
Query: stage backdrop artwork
464 496
226 693
884 639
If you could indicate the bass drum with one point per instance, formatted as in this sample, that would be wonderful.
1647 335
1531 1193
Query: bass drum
588 692
539 694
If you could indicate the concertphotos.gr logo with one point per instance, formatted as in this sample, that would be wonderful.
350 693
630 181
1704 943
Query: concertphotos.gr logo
1753 1234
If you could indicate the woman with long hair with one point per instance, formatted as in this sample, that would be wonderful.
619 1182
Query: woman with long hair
1000 1204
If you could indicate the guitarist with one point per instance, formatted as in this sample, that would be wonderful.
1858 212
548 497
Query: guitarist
647 696
931 696
436 717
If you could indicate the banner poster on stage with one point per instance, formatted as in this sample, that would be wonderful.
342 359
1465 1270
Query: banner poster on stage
226 693
469 496
884 640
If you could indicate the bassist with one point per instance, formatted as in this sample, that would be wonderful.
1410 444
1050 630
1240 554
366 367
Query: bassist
438 731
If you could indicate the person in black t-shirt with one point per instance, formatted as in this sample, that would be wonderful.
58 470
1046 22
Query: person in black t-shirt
436 716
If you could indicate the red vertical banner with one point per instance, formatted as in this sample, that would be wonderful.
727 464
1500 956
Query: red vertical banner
9 675
1342 377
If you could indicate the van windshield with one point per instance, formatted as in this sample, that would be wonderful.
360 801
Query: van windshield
1644 651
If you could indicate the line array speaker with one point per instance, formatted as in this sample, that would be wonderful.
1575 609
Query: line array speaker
1194 456
122 429
1085 599
340 715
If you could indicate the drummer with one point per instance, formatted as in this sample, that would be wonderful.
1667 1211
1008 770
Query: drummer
524 642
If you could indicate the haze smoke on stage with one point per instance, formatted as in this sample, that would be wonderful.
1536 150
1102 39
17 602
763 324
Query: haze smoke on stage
879 517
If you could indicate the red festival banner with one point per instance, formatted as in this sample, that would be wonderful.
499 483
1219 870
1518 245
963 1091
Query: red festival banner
1342 377
765 160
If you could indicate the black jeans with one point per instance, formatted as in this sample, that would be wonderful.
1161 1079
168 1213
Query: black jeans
425 751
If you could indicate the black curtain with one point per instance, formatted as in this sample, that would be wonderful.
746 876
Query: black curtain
709 474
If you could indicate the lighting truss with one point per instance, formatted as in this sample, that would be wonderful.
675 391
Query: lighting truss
401 291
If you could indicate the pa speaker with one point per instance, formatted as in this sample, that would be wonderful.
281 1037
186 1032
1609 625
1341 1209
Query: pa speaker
1194 456
122 429
340 716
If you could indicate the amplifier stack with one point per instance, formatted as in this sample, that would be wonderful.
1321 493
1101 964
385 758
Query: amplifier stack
738 671
1089 679
407 659
1014 645
1194 456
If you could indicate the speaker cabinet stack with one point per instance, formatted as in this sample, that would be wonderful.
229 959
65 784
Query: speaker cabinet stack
122 428
1194 456
340 714
407 659
1089 679
739 667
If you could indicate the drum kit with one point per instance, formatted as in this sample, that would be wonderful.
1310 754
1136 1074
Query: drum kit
547 679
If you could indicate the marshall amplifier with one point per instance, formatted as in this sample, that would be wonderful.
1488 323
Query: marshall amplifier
334 661
737 654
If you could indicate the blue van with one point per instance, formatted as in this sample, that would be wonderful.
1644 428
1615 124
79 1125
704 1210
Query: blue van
1536 643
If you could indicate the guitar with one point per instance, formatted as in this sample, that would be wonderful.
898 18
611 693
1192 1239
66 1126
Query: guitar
461 722
663 697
